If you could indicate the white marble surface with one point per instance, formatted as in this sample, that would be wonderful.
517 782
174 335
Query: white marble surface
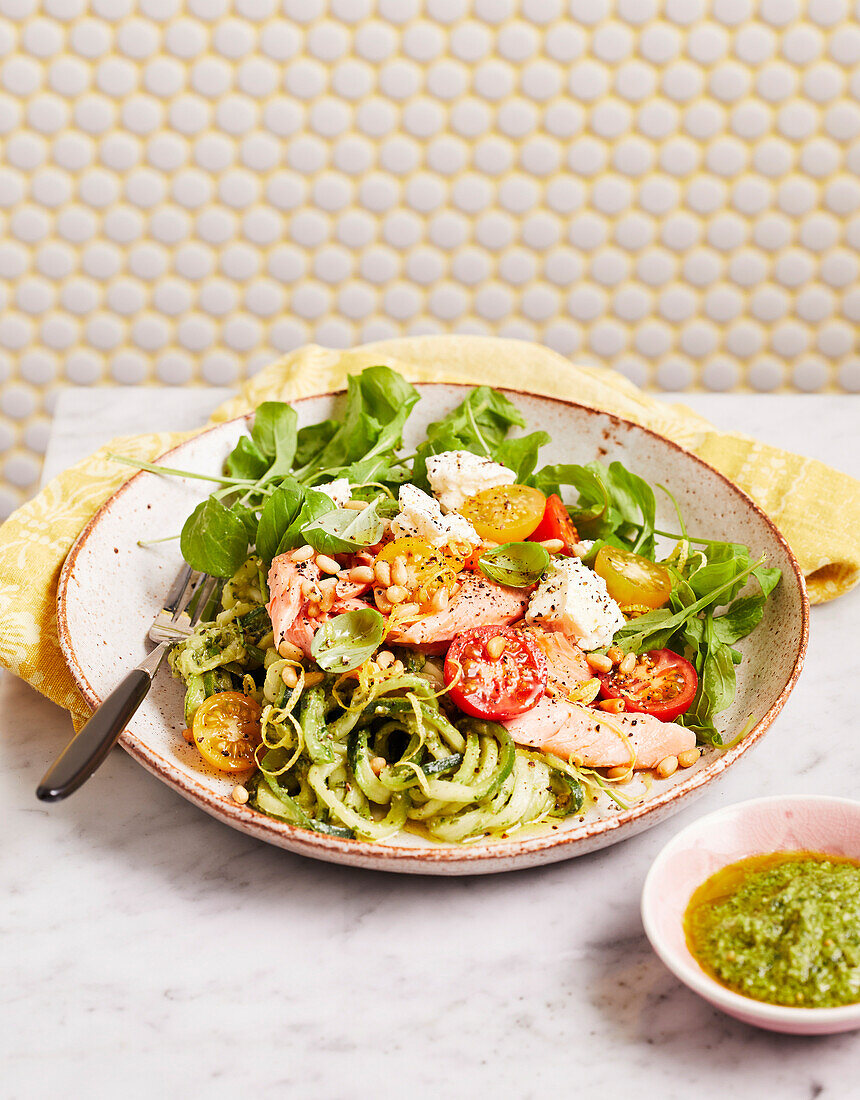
150 951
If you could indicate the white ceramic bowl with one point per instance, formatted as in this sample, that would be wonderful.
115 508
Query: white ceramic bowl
111 587
785 823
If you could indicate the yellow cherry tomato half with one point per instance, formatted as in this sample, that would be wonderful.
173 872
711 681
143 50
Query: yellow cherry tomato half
632 579
427 561
506 513
227 731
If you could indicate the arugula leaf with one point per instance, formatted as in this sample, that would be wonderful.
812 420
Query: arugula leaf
214 539
520 454
742 617
279 512
378 403
343 530
479 423
612 501
246 460
274 432
347 640
311 440
768 578
315 504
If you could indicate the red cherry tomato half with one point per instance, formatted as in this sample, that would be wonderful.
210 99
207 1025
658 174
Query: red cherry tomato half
556 524
662 684
499 672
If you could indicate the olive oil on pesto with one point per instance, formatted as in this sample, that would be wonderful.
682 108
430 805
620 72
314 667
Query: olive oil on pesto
782 927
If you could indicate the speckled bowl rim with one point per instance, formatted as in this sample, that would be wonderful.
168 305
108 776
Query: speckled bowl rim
693 976
333 848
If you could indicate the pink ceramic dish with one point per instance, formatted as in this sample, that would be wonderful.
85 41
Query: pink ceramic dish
788 823
111 588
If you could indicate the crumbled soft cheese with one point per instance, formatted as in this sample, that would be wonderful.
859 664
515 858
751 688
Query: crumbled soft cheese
420 515
573 598
455 476
340 490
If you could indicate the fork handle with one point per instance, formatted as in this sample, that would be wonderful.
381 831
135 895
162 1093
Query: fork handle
88 748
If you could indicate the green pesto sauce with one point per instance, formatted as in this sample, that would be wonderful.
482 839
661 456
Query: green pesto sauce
782 928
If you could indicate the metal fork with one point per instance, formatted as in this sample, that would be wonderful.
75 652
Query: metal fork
185 604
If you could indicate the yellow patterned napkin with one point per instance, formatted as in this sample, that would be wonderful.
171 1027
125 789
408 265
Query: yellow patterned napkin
817 508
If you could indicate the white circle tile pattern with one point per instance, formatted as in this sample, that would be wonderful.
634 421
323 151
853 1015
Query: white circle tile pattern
187 191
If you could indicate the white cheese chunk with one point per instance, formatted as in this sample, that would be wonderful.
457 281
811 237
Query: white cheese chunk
421 516
573 599
455 476
340 490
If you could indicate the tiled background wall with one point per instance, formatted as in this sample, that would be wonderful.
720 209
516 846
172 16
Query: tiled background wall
186 190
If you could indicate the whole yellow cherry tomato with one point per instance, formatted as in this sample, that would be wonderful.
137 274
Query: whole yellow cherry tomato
505 513
632 579
227 731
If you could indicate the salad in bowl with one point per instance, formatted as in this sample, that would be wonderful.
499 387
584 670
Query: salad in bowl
458 641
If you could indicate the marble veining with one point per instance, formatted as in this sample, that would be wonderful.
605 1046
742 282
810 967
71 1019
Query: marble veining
149 950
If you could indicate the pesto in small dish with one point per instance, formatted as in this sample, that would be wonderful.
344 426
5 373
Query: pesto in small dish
783 927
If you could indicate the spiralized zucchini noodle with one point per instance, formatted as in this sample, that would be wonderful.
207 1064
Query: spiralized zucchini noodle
374 751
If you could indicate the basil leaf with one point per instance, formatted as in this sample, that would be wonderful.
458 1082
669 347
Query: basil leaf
347 640
279 512
214 539
246 460
342 530
516 564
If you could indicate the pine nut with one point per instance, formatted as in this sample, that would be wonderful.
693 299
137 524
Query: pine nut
382 572
580 550
615 654
598 662
189 736
612 706
382 601
312 610
496 647
289 651
310 590
384 658
667 766
327 564
396 593
553 546
304 553
399 575
439 600
628 664
422 595
328 592
240 794
397 669
356 505
289 676
377 764
409 610
361 574
688 759
618 772
313 678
